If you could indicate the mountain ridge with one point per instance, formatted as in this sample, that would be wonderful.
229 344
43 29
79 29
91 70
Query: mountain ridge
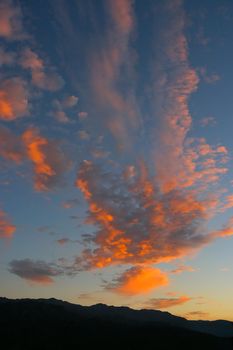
52 318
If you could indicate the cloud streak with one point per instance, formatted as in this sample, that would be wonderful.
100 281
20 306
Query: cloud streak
7 229
165 303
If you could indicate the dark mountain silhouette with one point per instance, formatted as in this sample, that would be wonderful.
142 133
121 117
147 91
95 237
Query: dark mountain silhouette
55 324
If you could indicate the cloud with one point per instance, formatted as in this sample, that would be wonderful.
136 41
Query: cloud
82 115
225 231
61 117
43 77
11 147
208 121
11 27
139 280
38 271
83 135
182 268
6 57
136 223
14 97
6 227
69 101
49 162
164 303
197 314
59 113
71 203
157 207
63 241
109 68
209 78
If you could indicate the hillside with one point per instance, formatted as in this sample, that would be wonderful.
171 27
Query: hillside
55 324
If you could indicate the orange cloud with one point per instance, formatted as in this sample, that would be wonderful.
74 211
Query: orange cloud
164 303
193 315
43 280
6 228
140 280
190 161
48 160
183 268
11 21
63 241
135 222
13 99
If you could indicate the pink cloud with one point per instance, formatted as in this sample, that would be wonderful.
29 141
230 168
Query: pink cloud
42 76
14 99
11 27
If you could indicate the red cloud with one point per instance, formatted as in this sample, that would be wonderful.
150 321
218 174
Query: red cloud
6 228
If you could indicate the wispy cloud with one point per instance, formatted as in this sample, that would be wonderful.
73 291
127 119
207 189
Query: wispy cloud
165 303
6 227
208 121
197 314
182 268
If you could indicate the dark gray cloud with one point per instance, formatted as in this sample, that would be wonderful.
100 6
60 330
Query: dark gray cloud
35 271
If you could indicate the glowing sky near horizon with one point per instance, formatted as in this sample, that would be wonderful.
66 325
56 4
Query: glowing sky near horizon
116 153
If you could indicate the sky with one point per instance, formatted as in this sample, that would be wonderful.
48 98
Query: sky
116 153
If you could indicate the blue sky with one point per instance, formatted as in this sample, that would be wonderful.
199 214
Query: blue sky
116 153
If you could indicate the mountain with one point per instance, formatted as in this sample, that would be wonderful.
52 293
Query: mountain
55 324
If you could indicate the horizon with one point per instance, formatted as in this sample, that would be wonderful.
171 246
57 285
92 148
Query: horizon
116 154
114 306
